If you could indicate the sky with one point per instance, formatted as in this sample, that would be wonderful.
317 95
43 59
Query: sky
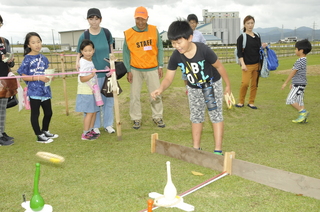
48 18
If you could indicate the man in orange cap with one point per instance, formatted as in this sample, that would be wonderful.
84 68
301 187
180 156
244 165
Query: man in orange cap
143 58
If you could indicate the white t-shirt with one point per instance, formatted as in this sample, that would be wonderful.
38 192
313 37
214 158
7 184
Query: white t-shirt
86 68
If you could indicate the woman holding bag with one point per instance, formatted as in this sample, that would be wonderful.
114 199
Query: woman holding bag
103 42
5 66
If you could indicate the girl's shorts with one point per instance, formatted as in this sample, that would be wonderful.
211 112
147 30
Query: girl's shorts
86 103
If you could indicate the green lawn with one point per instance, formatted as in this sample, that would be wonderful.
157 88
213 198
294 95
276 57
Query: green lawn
116 176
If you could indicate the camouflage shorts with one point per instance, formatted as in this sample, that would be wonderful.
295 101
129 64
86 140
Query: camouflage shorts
198 106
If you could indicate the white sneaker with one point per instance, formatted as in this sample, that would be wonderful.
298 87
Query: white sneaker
96 130
43 139
50 135
110 129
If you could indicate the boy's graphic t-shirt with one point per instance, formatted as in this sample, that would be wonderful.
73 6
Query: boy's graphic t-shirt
300 78
198 69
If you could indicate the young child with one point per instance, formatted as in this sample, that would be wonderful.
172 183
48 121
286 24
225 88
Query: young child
33 69
299 80
85 99
204 72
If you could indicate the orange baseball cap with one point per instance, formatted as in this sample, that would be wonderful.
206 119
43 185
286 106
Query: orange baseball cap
141 12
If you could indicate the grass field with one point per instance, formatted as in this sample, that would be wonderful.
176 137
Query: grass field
116 176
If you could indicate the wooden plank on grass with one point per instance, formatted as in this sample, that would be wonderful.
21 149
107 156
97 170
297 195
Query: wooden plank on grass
276 178
190 155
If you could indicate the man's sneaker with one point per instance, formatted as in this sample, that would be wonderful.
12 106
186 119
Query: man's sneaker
110 129
88 136
6 136
94 134
50 135
43 139
136 124
96 130
5 142
159 122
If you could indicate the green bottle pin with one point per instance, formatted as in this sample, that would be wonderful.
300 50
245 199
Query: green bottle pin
36 202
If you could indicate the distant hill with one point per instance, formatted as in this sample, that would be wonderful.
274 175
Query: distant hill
274 34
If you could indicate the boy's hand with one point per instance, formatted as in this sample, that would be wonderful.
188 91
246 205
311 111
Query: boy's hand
227 90
155 94
283 86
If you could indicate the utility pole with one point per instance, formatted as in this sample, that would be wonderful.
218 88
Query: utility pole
54 47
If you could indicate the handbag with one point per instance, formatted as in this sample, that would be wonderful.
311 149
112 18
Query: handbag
106 88
8 87
121 69
12 101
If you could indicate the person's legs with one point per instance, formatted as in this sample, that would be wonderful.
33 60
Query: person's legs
197 112
3 112
34 115
216 117
246 75
47 114
295 99
88 121
106 108
135 105
218 129
153 82
254 82
196 134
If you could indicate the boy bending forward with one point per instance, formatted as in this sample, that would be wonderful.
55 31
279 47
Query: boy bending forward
204 72
299 80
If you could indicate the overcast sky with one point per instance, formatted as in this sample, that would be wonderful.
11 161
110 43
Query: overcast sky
50 17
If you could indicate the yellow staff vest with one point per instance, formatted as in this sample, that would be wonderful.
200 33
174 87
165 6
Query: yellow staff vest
143 47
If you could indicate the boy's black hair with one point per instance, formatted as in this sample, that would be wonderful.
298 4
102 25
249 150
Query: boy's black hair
192 17
179 29
305 45
26 48
1 20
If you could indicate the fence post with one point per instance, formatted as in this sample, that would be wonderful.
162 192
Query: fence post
64 84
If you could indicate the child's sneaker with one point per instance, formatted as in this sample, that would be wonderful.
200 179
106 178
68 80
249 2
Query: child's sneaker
43 139
218 152
110 129
305 114
87 136
50 135
94 134
300 119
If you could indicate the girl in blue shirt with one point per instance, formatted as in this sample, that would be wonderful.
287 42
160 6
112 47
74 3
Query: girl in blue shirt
33 69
